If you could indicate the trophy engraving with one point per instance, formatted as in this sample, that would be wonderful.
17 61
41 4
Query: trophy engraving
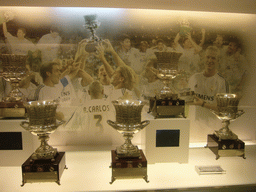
42 122
167 103
128 122
224 142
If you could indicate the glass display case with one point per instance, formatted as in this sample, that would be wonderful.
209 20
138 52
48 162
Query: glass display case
86 138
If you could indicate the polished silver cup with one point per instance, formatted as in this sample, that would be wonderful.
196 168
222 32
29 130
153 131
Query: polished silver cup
14 70
227 110
167 65
42 122
128 122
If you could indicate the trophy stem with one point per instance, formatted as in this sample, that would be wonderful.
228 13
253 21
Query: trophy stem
128 149
44 151
128 141
225 133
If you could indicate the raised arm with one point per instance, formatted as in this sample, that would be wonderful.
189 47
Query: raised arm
109 48
5 29
197 47
100 54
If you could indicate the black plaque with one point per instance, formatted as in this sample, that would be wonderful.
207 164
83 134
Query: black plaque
11 141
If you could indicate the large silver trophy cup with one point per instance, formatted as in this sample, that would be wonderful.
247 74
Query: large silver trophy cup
167 63
166 103
227 111
42 122
128 122
14 70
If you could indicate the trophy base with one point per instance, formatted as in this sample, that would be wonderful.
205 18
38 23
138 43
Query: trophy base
128 168
12 110
224 136
37 171
167 108
225 148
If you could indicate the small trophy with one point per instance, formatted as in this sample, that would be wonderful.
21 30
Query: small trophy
167 103
14 70
224 142
46 163
184 27
127 160
92 24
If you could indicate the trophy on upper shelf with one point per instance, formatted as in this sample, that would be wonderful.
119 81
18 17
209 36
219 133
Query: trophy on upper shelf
167 103
91 23
127 160
46 163
13 71
224 142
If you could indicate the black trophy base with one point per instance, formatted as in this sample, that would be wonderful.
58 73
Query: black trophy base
129 167
225 148
166 108
37 171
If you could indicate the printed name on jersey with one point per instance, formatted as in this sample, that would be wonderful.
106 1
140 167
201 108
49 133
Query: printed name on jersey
205 97
96 108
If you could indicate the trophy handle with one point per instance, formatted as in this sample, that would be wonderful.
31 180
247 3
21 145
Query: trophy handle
24 124
144 123
240 112
111 123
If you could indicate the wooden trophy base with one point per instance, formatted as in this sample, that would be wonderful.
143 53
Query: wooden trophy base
225 148
36 171
128 167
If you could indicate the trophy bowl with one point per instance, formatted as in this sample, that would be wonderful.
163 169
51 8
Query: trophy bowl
14 70
167 70
42 122
128 122
227 110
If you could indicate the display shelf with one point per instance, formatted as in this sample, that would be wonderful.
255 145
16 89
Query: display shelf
89 171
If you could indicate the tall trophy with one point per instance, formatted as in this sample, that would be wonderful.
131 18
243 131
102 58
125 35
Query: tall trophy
224 142
128 161
166 103
46 164
91 24
13 71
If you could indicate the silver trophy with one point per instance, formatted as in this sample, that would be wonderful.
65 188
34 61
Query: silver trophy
167 63
92 24
14 70
227 111
42 122
128 122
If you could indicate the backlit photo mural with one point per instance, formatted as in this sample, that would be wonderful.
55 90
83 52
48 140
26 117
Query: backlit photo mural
63 64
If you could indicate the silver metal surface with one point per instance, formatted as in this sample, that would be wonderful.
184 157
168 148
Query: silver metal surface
42 122
128 122
167 70
14 70
227 105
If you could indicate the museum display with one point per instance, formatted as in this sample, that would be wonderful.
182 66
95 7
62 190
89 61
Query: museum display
128 161
46 163
224 142
13 71
166 103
